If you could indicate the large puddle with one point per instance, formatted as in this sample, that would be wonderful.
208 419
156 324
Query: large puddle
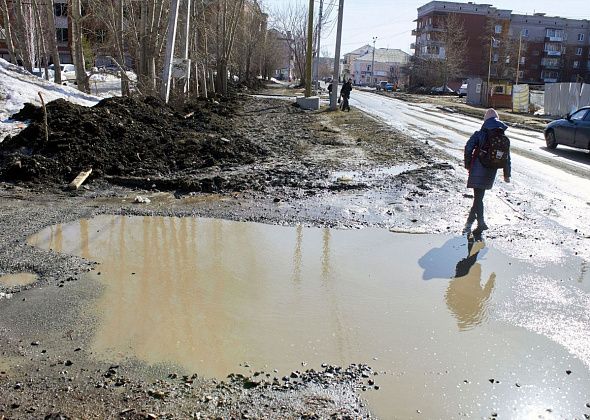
449 322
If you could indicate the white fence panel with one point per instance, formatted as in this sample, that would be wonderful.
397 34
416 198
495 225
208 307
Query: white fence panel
564 98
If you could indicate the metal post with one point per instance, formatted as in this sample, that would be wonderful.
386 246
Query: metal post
170 41
336 74
309 51
373 62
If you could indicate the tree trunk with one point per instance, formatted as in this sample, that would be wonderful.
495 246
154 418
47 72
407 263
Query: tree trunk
52 40
8 31
24 38
77 51
121 49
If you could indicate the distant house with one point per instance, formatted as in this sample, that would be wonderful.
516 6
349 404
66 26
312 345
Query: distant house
385 65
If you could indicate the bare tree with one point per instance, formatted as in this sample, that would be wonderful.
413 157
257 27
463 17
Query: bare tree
454 40
227 19
292 21
8 31
77 47
504 46
52 40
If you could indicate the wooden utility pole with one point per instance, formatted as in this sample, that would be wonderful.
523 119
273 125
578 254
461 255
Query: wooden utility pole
318 45
170 41
519 51
336 74
309 57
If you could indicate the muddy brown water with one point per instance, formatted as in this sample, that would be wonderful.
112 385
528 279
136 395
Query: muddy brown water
455 329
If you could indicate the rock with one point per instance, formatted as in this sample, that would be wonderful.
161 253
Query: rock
569 372
35 343
141 200
68 363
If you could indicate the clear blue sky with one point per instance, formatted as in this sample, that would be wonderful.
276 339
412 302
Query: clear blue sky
391 21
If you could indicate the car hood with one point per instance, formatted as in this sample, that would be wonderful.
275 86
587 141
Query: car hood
556 123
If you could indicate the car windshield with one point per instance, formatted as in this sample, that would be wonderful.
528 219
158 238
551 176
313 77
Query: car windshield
579 115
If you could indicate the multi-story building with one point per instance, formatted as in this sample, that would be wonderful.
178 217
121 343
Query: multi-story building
533 48
383 65
350 57
62 25
556 49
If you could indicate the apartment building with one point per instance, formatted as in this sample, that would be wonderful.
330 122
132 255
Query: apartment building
556 49
533 48
62 28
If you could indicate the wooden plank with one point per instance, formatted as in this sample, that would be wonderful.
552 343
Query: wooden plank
75 184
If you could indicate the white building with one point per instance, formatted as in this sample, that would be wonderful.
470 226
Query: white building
384 65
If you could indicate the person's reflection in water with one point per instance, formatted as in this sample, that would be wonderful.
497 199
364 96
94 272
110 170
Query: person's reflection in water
466 298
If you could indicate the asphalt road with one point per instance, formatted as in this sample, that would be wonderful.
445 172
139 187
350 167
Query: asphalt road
555 183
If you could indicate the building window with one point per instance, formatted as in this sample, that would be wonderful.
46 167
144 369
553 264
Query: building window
2 34
495 59
579 51
60 9
522 60
521 74
498 29
524 32
580 37
576 64
61 34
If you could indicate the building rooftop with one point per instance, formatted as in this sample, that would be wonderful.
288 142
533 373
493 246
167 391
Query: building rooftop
386 55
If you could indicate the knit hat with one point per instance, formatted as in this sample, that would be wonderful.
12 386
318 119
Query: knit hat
491 113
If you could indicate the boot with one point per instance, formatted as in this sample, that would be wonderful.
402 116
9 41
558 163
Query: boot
481 226
469 223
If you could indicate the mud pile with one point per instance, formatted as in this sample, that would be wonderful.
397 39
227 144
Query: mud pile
123 137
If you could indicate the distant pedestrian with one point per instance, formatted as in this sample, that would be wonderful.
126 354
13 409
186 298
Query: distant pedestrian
490 140
345 95
330 88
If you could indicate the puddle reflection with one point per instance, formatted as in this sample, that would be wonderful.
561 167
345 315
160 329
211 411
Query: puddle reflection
466 297
209 294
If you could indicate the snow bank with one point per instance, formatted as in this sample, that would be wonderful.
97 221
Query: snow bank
18 86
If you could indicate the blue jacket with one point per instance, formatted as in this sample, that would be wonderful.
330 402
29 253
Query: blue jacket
479 175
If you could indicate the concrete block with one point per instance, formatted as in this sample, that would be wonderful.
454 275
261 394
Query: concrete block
312 103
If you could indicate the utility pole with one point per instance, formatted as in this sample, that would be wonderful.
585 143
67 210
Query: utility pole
373 62
489 71
336 74
309 51
170 41
317 65
518 61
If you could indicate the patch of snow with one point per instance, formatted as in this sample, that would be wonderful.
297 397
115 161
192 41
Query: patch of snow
18 86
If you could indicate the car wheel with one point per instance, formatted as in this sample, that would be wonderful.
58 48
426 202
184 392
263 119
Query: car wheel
550 140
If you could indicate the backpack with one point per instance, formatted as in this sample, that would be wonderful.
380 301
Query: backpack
493 153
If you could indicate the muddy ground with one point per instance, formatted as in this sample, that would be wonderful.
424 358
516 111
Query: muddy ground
242 159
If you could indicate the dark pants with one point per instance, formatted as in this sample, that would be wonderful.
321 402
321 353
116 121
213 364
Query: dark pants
345 105
476 211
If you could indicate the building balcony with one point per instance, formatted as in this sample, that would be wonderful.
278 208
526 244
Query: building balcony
552 53
554 38
413 46
550 80
415 32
